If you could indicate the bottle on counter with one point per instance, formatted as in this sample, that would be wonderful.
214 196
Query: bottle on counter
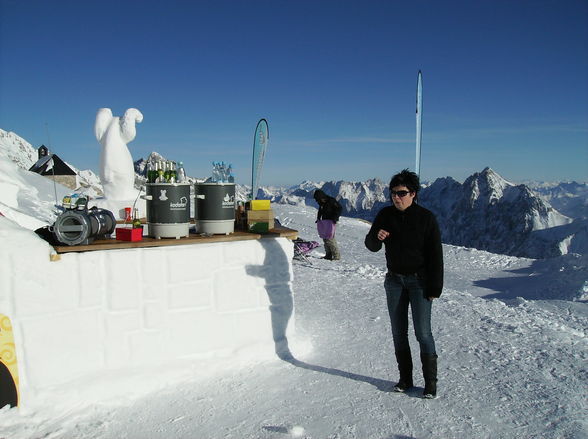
215 175
173 173
160 173
241 216
151 172
147 171
136 221
230 176
166 171
181 172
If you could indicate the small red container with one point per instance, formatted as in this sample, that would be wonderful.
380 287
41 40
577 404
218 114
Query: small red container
126 234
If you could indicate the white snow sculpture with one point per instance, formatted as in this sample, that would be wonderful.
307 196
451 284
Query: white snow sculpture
116 164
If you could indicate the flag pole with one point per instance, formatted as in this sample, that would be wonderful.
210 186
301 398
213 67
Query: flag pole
419 126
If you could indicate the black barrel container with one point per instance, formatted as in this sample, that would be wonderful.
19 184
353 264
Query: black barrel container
215 207
168 209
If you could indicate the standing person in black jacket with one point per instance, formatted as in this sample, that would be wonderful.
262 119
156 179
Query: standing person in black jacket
414 257
329 210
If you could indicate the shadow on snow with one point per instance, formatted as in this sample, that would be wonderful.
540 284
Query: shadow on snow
562 278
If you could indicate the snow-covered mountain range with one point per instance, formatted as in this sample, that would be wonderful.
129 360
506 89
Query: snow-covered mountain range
535 220
570 198
487 212
484 212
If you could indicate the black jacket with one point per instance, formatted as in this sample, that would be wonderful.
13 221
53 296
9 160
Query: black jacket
414 244
329 207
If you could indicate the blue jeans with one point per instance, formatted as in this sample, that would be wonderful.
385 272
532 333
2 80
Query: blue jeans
402 290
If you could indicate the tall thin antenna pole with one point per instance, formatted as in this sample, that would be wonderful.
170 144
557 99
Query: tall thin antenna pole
419 126
51 163
48 137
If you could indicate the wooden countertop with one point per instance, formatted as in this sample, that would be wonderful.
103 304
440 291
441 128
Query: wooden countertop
194 238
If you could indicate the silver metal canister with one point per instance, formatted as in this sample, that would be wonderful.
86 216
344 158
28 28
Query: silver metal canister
75 227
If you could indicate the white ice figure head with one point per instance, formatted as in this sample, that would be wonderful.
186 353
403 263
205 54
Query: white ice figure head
116 164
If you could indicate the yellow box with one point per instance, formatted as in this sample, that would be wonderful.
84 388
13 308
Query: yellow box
260 215
259 205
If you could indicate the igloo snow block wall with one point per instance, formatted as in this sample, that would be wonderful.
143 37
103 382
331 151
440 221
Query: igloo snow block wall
97 313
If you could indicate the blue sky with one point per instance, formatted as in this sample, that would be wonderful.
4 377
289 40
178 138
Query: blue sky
505 83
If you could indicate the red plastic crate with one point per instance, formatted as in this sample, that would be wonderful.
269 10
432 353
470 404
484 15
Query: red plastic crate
127 234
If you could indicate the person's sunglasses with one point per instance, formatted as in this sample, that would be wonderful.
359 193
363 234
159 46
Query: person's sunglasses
399 194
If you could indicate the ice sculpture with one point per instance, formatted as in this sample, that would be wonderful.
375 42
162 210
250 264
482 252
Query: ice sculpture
116 163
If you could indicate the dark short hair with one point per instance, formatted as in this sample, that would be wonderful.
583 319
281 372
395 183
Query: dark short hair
406 178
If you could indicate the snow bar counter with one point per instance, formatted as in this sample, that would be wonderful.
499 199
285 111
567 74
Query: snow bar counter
111 318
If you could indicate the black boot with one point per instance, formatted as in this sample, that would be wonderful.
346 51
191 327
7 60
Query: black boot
335 255
404 360
429 362
328 256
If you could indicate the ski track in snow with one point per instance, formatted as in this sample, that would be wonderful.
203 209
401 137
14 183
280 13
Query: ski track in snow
515 369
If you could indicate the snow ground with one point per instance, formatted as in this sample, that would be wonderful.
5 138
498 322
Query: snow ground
509 366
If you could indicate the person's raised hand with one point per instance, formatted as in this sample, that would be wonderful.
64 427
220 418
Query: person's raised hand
383 234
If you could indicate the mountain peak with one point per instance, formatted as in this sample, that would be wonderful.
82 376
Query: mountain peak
17 149
491 175
486 187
